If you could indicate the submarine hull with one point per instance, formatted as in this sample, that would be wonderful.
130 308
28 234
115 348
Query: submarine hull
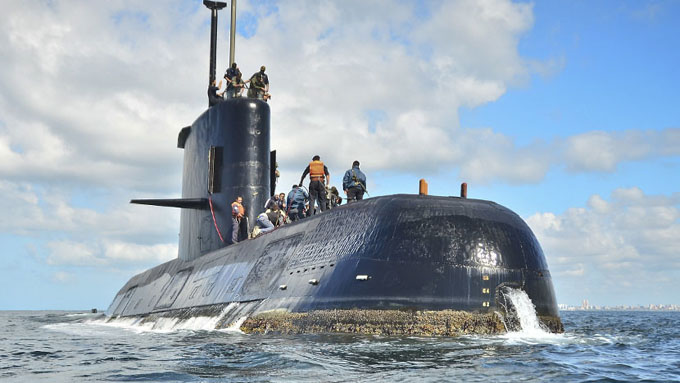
404 254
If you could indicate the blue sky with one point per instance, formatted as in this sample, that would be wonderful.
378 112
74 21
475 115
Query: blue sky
565 112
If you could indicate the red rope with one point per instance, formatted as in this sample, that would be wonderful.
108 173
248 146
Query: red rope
214 220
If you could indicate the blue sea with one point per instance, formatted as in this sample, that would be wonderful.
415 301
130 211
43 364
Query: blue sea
598 346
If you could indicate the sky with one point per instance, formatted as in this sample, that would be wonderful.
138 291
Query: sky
566 112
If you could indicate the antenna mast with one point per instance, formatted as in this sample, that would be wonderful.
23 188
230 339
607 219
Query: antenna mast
232 33
214 6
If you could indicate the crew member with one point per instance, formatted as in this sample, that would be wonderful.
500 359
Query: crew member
264 223
354 183
334 197
235 87
282 201
231 72
237 213
318 181
276 216
273 200
259 85
214 97
296 203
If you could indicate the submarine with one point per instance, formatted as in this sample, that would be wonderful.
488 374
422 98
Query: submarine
405 264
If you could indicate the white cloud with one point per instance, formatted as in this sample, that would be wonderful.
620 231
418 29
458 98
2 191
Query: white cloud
107 253
129 252
33 211
603 151
630 240
104 96
72 253
63 277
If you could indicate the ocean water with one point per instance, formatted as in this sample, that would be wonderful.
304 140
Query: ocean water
51 346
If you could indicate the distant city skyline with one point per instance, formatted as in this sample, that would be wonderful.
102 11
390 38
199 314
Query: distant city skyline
565 112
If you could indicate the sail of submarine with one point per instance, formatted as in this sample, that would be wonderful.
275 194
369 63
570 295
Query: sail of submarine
396 264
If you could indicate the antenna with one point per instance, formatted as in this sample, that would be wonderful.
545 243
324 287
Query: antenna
214 6
232 33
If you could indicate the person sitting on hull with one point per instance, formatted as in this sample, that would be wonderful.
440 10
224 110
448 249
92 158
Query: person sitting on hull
282 201
354 183
215 98
318 181
237 214
276 216
259 85
264 223
273 200
296 203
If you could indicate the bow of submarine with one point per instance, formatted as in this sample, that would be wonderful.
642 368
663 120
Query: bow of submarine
415 252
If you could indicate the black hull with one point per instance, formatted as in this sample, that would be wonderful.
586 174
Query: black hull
401 252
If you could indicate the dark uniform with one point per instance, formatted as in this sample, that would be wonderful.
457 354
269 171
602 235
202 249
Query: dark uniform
213 97
258 83
318 177
233 78
235 86
231 73
334 198
354 183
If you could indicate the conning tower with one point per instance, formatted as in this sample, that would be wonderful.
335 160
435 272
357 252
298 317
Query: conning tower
226 155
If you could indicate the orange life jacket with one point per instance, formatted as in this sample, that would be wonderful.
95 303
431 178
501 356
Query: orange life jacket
237 210
316 172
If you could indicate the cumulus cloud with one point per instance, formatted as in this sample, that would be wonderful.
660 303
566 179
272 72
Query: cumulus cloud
104 96
603 151
416 66
630 240
128 236
108 253
84 101
72 253
33 211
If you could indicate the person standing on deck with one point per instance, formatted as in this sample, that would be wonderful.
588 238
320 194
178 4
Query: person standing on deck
259 84
354 183
296 203
319 178
237 213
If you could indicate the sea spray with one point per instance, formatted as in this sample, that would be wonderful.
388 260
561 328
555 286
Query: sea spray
164 324
520 313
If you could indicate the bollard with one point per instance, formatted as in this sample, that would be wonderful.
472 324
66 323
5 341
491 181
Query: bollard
422 187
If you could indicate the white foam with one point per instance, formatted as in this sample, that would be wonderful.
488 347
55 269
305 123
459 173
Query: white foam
526 312
236 326
532 331
166 324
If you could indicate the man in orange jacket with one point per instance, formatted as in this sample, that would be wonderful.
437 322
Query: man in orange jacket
318 176
237 213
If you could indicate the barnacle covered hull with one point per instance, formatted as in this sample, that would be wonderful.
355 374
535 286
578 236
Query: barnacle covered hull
388 264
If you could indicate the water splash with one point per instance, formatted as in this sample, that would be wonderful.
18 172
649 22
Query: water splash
520 315
236 326
168 324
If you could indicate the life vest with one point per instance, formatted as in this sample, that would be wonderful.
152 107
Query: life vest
237 210
316 171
